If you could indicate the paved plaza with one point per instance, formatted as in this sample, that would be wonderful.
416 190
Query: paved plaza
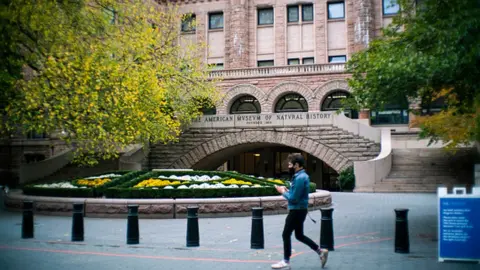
363 227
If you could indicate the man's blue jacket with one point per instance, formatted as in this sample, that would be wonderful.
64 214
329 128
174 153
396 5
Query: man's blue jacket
297 196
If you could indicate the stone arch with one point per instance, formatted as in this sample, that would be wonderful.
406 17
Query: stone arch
288 87
216 145
233 93
323 91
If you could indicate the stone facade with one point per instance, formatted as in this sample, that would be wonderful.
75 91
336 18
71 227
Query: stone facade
208 148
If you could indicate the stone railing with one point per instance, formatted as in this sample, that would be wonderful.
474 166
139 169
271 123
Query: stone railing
277 71
369 172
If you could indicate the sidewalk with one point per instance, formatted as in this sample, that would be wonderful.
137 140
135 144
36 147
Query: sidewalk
363 227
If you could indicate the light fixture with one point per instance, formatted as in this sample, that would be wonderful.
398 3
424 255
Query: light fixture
257 155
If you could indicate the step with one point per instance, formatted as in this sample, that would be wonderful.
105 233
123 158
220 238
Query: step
380 190
418 173
431 179
422 167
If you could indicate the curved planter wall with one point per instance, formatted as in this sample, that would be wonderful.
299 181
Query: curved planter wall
161 208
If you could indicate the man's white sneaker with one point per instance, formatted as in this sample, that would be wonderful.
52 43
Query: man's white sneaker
281 265
323 256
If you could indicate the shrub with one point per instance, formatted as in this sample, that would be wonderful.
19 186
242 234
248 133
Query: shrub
346 179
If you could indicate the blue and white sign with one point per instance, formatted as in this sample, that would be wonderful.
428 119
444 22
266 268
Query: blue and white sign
459 225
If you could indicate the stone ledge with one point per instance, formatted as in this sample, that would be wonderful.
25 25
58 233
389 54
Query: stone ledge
161 208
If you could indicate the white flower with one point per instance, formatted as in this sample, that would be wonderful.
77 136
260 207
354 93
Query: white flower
167 187
232 186
244 186
182 187
155 188
57 185
111 175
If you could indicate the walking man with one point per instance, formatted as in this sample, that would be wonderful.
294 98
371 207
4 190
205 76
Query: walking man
297 198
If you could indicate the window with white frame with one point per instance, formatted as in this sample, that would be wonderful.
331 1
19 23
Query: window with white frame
390 7
215 20
265 16
188 23
336 10
337 59
293 13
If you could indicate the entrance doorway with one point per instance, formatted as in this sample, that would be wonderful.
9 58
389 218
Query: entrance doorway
272 162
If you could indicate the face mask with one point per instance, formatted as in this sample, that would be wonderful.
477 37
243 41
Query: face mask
291 171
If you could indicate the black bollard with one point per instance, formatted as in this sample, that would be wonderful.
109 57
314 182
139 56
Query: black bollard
133 235
27 221
402 243
193 236
77 222
326 230
257 240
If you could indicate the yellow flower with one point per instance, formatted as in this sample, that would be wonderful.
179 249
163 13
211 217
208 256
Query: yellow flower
93 182
152 182
233 181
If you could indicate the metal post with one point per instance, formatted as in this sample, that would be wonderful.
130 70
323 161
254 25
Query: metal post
257 239
27 221
326 229
402 243
193 235
133 235
77 222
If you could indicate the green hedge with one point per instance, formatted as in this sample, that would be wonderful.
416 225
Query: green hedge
59 192
189 193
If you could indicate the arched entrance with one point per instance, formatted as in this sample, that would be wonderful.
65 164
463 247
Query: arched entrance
263 153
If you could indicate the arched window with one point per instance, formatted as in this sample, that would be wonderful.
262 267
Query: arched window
245 104
291 103
333 102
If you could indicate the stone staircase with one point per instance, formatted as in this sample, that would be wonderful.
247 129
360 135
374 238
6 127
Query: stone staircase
351 146
423 170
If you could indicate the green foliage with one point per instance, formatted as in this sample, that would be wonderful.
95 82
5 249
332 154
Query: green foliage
346 179
426 50
106 73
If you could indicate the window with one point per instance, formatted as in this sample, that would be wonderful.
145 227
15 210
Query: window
390 7
217 66
393 113
245 104
307 13
265 16
336 10
294 61
265 63
337 59
215 21
308 61
292 14
291 103
333 102
188 23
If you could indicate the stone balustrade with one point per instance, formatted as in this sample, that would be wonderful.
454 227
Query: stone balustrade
277 71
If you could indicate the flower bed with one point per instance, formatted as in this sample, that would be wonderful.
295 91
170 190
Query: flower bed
196 184
83 187
161 184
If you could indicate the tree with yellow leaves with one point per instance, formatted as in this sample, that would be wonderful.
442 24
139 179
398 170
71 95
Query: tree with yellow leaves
106 73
